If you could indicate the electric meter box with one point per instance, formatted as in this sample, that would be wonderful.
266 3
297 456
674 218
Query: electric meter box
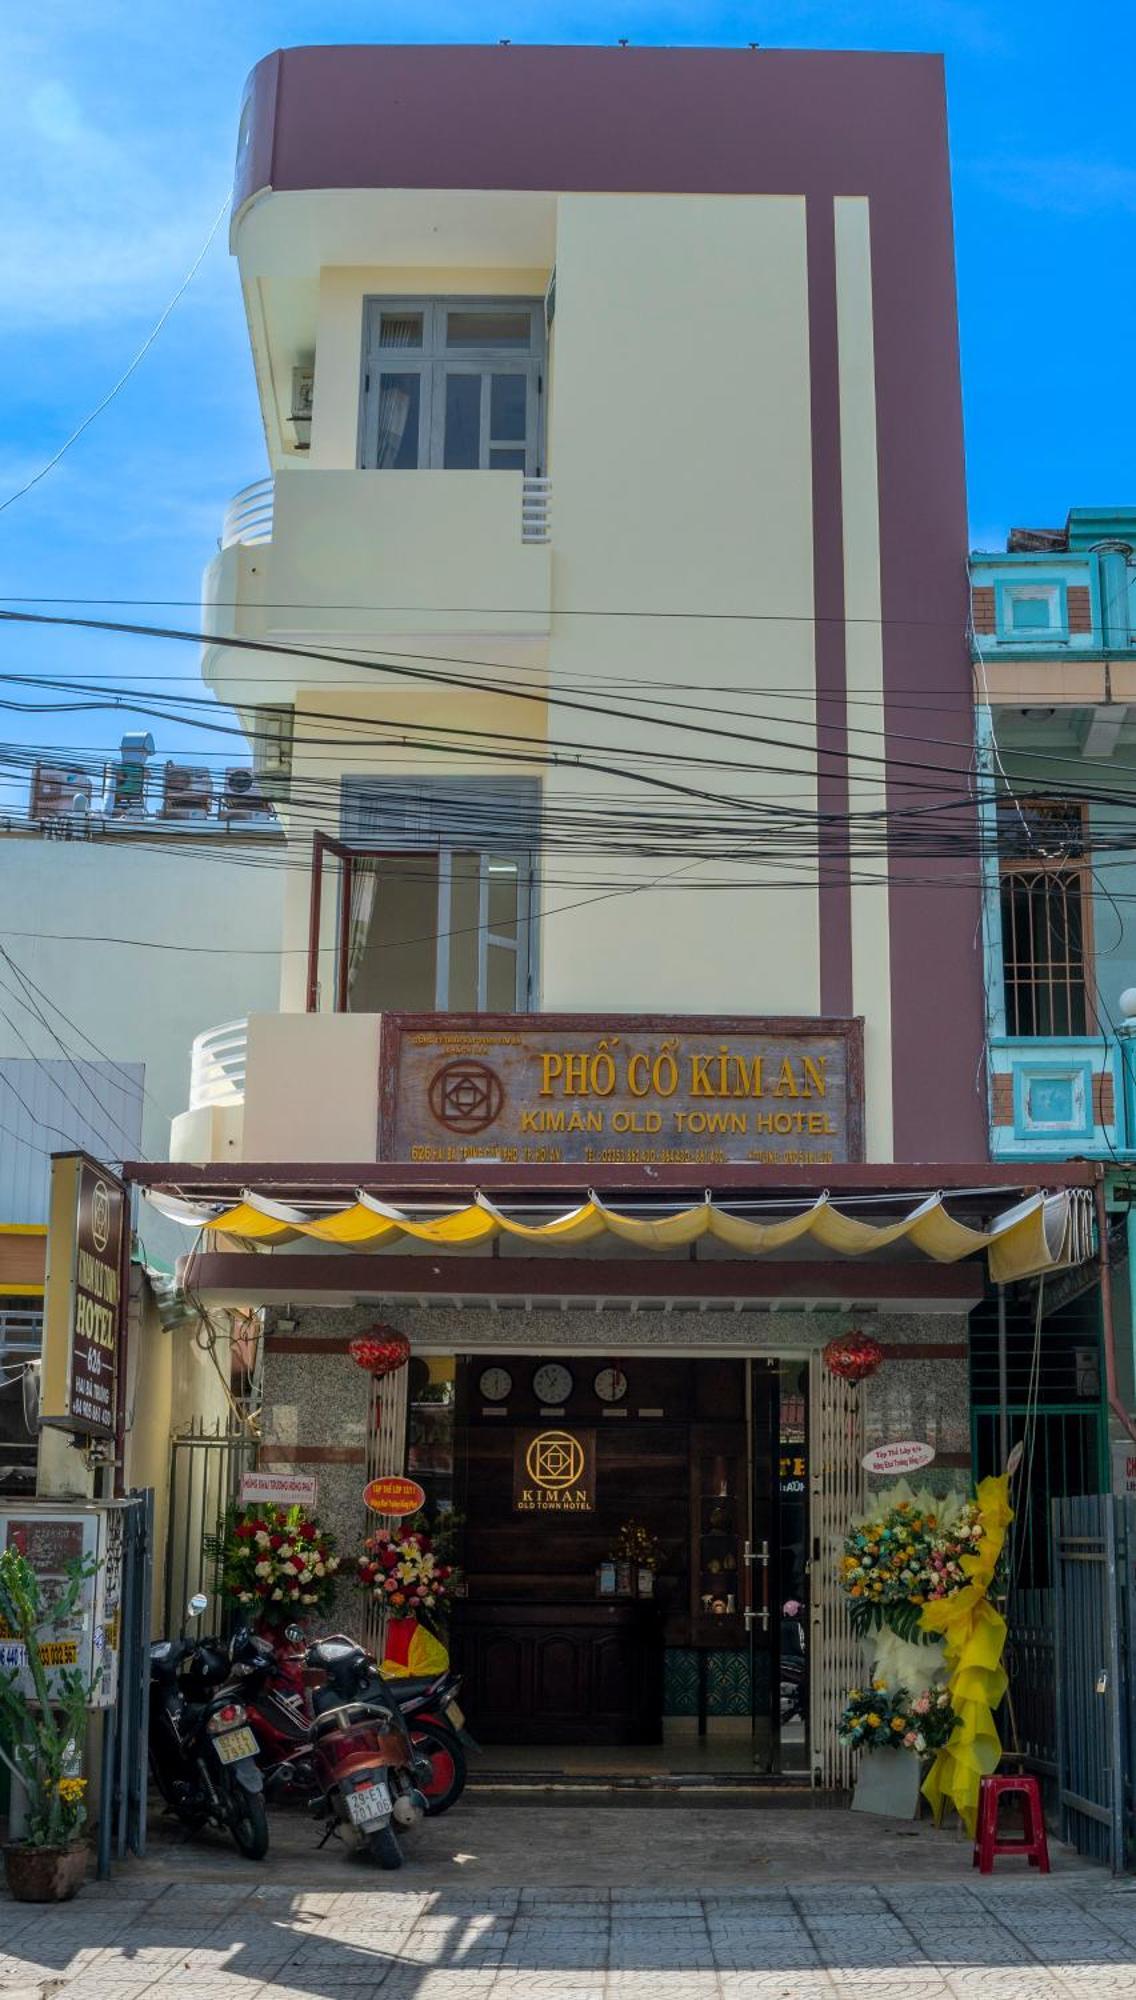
53 1534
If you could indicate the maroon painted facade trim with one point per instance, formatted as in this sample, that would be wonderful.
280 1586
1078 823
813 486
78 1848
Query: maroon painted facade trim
448 1274
834 891
926 1350
311 1178
811 124
312 1454
938 1024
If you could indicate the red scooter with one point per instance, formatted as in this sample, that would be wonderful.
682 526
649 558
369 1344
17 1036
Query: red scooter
283 1704
362 1763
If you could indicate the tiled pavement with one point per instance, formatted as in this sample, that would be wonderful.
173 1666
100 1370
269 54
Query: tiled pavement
1010 1938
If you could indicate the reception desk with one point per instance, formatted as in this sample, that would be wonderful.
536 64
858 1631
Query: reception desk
560 1672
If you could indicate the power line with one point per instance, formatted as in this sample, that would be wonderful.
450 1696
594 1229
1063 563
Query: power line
124 378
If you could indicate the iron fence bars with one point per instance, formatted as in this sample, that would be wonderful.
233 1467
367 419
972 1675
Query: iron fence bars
1094 1545
1031 1663
206 1463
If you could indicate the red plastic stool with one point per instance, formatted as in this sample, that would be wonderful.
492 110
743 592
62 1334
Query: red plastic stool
987 1844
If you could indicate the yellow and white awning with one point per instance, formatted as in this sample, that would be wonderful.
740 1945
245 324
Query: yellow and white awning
1045 1232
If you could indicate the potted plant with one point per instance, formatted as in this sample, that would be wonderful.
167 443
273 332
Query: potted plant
639 1553
894 1731
41 1735
278 1564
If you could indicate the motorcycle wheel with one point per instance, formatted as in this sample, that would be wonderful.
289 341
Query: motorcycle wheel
383 1847
447 1778
247 1820
181 1797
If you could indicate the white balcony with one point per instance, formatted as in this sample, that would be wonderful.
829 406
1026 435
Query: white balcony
325 559
248 516
217 1066
213 1125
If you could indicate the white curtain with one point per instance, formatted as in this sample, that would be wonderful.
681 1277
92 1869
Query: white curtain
394 404
394 409
364 888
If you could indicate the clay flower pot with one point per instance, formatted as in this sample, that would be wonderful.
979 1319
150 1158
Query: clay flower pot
45 1874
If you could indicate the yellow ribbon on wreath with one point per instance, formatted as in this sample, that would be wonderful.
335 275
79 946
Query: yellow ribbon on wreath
974 1637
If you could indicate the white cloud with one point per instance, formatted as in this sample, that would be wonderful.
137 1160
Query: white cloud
1068 185
99 223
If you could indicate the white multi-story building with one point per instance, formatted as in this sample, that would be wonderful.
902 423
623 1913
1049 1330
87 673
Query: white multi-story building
612 553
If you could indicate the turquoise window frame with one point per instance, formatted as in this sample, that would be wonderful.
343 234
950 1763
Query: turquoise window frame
1003 624
1026 1073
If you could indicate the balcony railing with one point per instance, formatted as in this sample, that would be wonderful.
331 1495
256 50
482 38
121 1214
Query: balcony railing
536 510
248 517
217 1069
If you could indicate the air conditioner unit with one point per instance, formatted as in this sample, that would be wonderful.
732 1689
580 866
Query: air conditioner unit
303 389
128 794
187 792
59 793
242 797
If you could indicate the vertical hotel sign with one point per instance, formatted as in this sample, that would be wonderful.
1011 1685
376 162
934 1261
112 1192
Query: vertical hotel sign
83 1302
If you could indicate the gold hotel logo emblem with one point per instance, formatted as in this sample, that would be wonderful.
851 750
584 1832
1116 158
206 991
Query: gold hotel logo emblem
554 1472
555 1461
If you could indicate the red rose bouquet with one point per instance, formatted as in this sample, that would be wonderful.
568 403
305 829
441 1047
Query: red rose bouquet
278 1563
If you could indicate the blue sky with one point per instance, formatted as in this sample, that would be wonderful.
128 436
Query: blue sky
116 141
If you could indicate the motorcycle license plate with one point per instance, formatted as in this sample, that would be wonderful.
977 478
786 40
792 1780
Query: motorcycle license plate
454 1715
369 1803
235 1744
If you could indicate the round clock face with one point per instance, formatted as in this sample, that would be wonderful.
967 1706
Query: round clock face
610 1385
495 1384
552 1383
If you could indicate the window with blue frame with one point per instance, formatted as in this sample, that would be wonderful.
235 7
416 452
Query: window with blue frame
1046 917
1028 608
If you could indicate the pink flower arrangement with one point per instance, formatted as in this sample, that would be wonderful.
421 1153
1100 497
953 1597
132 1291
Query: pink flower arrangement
401 1570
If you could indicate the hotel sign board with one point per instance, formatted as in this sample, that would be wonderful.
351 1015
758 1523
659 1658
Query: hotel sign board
83 1303
621 1090
554 1472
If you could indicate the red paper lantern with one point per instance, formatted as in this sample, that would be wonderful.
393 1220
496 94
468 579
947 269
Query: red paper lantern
853 1356
382 1351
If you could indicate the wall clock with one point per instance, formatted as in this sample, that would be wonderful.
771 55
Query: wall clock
552 1383
495 1384
610 1385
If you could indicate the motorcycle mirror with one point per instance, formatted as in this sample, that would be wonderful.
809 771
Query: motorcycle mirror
197 1604
293 1634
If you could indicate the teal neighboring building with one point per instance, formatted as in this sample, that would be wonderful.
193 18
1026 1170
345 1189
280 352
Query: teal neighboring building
1053 635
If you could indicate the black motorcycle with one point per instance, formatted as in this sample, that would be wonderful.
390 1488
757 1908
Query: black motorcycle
203 1752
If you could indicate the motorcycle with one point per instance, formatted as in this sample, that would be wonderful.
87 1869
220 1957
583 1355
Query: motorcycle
203 1752
280 1709
366 1769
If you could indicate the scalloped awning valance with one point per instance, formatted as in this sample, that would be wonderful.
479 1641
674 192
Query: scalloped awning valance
1045 1232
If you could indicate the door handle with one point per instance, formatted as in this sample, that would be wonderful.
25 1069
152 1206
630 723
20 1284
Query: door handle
752 1555
762 1617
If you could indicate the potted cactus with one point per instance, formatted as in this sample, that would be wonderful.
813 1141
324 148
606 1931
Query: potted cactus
41 1737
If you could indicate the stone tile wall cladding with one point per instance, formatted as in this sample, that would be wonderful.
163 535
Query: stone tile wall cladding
316 1399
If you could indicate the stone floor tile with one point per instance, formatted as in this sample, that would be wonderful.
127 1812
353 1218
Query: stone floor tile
91 1988
536 1985
774 1986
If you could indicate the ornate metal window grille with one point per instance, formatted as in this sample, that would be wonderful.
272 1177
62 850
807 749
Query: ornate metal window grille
1046 918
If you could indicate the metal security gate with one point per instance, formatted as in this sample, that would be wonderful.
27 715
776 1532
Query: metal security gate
125 1725
836 1433
1094 1554
205 1475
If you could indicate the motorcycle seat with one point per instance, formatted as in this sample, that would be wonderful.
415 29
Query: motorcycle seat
411 1687
346 1715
